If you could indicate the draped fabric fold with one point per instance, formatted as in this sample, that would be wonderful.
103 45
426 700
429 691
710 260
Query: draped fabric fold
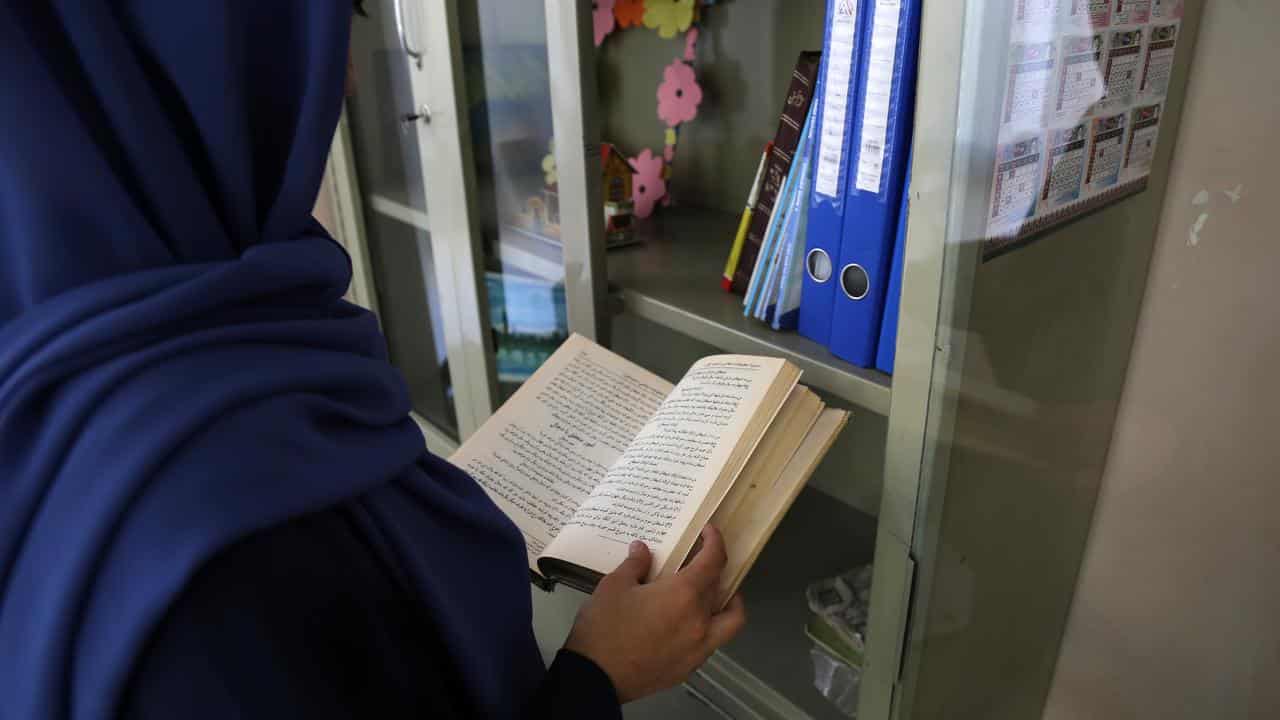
177 366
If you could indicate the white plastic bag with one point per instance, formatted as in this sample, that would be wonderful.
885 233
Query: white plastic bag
836 680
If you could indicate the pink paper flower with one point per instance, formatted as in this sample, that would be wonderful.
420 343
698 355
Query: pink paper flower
679 94
648 187
602 19
691 45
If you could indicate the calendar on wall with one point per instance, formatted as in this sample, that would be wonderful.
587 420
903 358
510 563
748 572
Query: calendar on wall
1083 98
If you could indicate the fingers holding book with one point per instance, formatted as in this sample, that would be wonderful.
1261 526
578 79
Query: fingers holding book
651 636
704 566
727 623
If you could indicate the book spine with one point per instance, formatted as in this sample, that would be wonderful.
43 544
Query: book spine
767 250
797 220
790 125
789 205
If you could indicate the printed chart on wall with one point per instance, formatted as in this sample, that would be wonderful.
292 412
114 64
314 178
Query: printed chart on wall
1080 118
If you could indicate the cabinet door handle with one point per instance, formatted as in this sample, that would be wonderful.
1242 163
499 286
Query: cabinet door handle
423 113
403 32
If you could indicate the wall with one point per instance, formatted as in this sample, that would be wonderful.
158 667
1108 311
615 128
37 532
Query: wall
1175 614
746 52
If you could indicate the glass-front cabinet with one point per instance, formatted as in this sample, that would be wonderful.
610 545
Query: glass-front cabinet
508 173
445 173
382 149
508 109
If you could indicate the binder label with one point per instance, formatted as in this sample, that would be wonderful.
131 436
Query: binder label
1159 66
875 117
1121 75
1166 9
1080 86
835 100
1132 12
1142 138
1016 182
1105 159
1064 169
1089 14
1031 69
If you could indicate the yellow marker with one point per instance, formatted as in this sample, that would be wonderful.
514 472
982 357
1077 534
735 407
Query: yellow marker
735 253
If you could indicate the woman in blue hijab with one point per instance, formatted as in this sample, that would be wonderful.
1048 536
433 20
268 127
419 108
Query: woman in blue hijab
212 501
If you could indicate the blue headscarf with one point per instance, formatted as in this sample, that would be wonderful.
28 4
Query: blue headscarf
177 366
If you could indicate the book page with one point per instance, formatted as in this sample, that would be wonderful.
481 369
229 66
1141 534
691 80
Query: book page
658 485
543 452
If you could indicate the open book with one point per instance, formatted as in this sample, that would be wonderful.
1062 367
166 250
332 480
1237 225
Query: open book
593 452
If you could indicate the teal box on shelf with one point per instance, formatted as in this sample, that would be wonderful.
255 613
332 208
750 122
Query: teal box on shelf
529 321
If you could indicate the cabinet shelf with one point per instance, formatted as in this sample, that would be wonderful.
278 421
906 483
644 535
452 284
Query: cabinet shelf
767 667
672 278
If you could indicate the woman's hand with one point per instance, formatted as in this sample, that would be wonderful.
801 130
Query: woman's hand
649 637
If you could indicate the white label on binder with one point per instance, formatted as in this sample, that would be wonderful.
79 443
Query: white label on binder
835 99
876 105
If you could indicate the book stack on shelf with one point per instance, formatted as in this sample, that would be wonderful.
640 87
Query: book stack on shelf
664 278
825 222
756 258
773 294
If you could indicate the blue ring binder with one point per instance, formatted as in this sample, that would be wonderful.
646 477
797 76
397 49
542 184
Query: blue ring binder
883 124
833 160
866 281
809 263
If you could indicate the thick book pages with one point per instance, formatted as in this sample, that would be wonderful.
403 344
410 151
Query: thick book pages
790 124
593 452
751 521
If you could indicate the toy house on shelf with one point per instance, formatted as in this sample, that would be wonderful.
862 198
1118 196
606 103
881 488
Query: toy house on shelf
618 207
541 213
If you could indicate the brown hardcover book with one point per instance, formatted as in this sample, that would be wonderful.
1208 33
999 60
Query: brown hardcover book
790 124
593 452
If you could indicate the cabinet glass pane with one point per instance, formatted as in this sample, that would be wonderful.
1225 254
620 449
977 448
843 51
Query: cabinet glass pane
744 57
1053 212
508 93
387 154
409 302
675 312
389 167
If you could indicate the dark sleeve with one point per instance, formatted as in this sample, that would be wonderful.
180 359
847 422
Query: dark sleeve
575 687
308 620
